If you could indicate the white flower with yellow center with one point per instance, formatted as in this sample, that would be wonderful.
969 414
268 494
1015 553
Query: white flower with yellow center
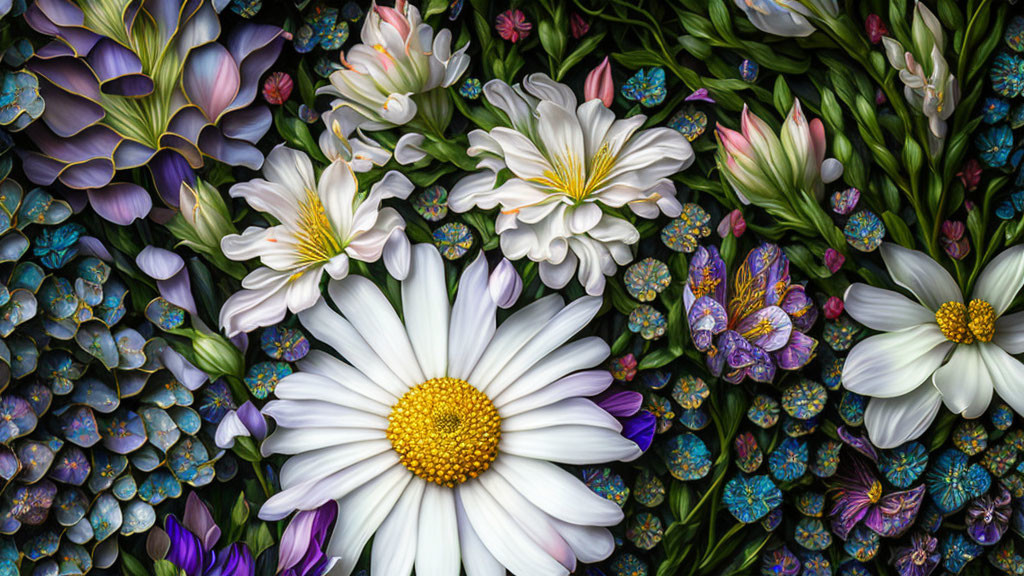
942 350
398 71
439 436
322 225
571 167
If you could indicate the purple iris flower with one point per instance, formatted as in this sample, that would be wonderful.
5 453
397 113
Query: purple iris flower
919 558
112 105
988 517
189 545
858 495
757 326
301 552
637 425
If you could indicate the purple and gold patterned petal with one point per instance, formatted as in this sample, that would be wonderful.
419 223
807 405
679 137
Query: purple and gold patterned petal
187 419
71 467
73 559
798 352
106 467
69 507
43 545
147 459
64 20
707 318
13 247
248 124
17 418
96 339
129 348
707 277
58 298
31 504
41 208
24 356
169 170
168 269
255 48
160 428
9 464
68 114
777 275
763 368
79 426
106 553
132 154
105 517
124 432
768 328
71 76
125 488
211 79
216 401
232 152
80 533
620 403
119 70
855 491
131 383
187 375
800 307
36 458
200 522
186 458
138 518
736 350
895 513
27 275
202 28
121 202
859 443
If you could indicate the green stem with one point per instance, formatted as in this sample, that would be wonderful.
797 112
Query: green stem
262 480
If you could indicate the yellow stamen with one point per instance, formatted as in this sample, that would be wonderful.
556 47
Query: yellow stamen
570 177
983 320
875 492
445 431
316 238
965 324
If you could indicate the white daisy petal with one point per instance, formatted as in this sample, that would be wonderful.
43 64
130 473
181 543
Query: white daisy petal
584 384
472 320
590 544
893 421
323 364
884 310
504 538
425 304
917 272
313 387
370 313
312 414
1007 375
570 445
437 550
511 335
299 440
585 353
394 544
572 411
557 492
1001 280
964 382
893 364
317 464
476 558
360 513
1010 333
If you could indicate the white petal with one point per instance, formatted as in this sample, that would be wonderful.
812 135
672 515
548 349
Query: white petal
1007 375
297 441
323 364
572 411
476 558
1010 333
917 272
585 353
321 463
397 255
313 414
589 543
513 334
504 538
557 492
408 150
884 310
893 364
1001 279
314 387
291 170
893 421
588 383
964 382
472 321
309 495
361 513
580 445
425 306
229 428
562 326
394 545
337 190
366 307
437 551
558 275
536 523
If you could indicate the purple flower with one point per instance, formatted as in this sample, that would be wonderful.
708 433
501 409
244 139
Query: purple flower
637 425
760 326
858 495
246 421
301 552
919 558
988 517
112 104
189 545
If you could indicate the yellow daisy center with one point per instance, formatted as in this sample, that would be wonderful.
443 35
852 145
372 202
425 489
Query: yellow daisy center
445 431
965 324
875 492
317 241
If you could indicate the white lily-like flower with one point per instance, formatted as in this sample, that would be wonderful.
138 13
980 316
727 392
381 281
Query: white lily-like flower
322 225
571 168
928 84
350 145
941 350
785 17
393 74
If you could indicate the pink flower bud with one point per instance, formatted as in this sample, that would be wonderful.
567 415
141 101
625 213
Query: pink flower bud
599 84
833 307
953 230
396 19
834 260
970 174
875 28
733 223
578 26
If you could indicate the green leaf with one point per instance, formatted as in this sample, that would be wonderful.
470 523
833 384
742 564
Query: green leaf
258 539
582 49
898 229
435 7
165 568
782 97
239 516
307 90
132 566
657 359
680 499
296 132
246 449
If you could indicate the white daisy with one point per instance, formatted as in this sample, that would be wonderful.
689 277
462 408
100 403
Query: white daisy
939 351
438 437
322 225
